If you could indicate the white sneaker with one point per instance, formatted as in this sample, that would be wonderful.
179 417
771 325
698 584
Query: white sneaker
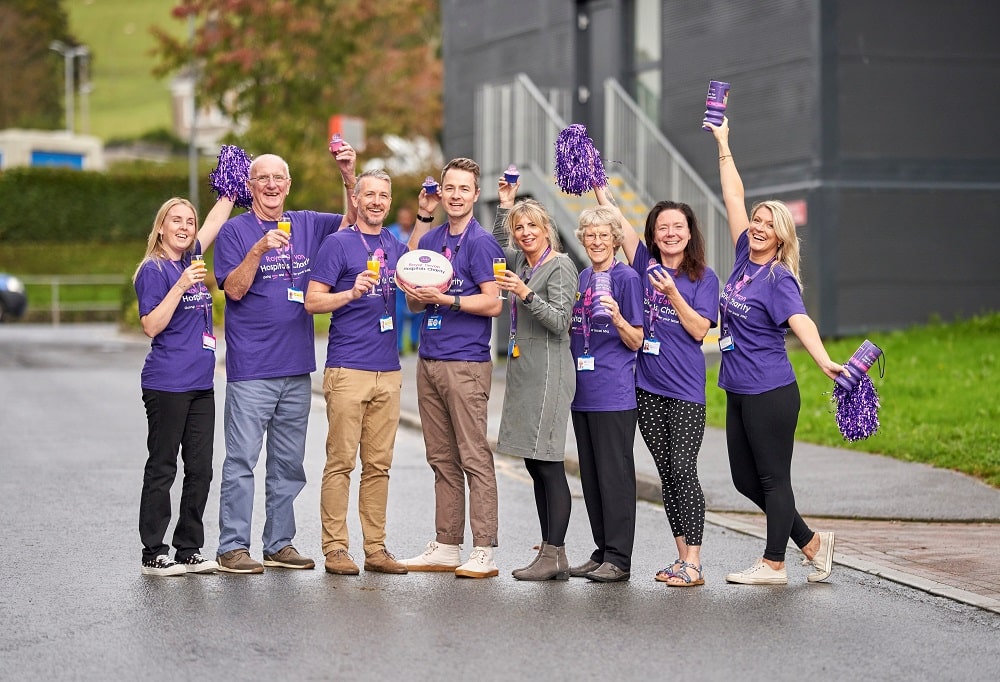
479 565
437 557
759 574
823 561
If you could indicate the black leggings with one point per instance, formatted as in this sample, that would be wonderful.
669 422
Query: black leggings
760 433
552 498
674 430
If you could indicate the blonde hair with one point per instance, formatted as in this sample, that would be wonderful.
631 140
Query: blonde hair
534 212
784 230
154 247
601 215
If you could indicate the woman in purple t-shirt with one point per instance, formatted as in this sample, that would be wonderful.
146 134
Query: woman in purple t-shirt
175 308
605 333
680 305
761 301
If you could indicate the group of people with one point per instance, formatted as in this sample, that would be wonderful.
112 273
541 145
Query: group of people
616 346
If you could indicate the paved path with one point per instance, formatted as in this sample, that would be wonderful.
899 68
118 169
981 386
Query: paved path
928 528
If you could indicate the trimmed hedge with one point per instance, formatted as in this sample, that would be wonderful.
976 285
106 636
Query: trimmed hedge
57 204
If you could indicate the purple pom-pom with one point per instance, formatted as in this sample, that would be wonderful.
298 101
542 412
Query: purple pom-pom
578 163
857 410
229 179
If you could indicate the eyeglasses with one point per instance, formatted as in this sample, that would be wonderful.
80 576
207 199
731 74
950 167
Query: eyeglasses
603 237
265 179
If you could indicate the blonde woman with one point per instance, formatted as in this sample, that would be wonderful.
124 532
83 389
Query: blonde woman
541 282
175 309
760 302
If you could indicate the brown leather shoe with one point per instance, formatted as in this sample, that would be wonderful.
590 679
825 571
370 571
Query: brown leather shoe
288 557
339 562
383 562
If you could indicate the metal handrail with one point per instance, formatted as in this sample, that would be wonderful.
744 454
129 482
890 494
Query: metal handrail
55 282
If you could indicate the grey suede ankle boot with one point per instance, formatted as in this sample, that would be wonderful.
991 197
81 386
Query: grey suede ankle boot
517 571
551 565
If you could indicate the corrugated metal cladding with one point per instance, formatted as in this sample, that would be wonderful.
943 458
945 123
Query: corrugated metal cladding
486 41
768 51
919 80
908 255
880 114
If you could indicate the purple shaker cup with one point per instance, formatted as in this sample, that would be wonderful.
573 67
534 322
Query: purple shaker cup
715 103
601 287
859 364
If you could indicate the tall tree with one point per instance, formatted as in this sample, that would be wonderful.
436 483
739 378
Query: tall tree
32 85
286 66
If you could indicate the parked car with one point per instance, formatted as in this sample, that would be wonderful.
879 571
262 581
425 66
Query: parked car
13 300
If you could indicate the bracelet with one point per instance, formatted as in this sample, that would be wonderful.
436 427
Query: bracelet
428 219
725 156
349 188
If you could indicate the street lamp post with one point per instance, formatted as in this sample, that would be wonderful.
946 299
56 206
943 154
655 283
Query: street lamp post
69 53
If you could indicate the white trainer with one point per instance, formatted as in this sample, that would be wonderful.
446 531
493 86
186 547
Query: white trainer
823 561
437 557
759 574
479 565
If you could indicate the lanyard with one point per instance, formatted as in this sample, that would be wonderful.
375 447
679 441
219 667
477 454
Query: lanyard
585 310
371 255
527 275
451 256
444 247
743 282
654 304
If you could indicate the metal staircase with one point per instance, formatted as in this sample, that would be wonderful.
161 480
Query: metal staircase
518 123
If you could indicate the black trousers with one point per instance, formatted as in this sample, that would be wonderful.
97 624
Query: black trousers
185 422
552 499
760 434
604 443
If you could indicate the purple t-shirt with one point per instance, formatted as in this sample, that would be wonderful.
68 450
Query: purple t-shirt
461 336
755 306
610 386
356 341
268 335
177 360
679 369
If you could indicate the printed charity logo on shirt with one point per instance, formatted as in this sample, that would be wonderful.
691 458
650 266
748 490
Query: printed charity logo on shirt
198 296
733 302
283 266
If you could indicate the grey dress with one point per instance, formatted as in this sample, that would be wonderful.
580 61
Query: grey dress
541 381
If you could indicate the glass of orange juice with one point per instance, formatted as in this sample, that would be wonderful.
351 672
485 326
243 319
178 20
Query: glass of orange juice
285 224
374 267
499 267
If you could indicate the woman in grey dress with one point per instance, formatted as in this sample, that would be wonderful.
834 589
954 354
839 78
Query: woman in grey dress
541 283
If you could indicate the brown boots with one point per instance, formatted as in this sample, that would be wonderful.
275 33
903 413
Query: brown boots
550 564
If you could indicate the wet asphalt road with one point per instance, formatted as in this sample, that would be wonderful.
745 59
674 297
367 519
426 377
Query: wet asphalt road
74 606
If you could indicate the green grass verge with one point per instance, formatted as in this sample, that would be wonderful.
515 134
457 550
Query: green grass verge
938 396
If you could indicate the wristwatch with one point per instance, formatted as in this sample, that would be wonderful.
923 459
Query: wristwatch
530 297
456 305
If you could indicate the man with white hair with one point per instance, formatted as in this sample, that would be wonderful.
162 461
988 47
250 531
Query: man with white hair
263 266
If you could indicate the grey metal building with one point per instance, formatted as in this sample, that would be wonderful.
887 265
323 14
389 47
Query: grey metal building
875 119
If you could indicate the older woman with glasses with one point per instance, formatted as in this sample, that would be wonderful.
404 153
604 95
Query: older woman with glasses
605 334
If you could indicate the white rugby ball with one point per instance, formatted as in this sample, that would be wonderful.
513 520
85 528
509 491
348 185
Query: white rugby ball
424 268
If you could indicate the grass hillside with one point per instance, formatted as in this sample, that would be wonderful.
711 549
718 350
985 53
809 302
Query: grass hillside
126 100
